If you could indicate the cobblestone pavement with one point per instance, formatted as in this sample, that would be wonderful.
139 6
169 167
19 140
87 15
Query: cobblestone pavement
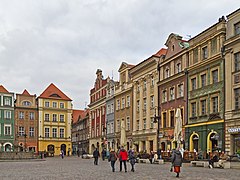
78 168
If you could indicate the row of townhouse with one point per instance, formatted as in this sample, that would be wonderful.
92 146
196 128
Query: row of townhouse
199 76
37 124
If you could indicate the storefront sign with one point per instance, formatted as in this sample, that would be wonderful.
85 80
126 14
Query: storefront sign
234 130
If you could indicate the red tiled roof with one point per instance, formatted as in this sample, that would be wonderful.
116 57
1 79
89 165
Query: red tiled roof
78 114
53 92
3 90
25 92
162 51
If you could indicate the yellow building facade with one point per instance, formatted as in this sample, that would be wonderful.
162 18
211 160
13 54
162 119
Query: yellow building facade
55 116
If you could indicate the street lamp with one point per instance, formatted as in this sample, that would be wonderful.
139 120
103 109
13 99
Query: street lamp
157 119
25 138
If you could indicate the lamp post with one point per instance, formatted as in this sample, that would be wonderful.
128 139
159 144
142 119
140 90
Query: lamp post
157 120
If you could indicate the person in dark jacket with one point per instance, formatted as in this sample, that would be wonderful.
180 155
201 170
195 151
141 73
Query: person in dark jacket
112 158
104 153
123 156
132 159
96 155
177 161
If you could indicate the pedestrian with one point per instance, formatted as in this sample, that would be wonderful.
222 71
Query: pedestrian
212 160
123 156
103 154
62 154
132 159
151 157
78 152
96 155
177 161
112 158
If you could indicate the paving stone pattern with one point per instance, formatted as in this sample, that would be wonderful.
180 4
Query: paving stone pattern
84 169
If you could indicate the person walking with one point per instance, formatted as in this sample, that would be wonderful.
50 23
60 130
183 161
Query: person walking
112 158
132 159
123 156
103 154
177 161
62 154
96 155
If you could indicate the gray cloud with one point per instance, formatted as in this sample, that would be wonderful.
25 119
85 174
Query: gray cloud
65 42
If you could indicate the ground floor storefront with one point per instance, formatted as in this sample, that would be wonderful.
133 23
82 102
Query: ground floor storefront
6 146
205 137
52 148
144 142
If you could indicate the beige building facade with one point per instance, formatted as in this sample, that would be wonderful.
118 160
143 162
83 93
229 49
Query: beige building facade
232 83
123 107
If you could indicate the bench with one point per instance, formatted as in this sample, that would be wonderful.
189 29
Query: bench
158 161
226 165
199 163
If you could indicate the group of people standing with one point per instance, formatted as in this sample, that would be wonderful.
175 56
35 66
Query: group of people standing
122 155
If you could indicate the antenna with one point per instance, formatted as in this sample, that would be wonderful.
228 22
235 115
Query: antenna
112 74
85 104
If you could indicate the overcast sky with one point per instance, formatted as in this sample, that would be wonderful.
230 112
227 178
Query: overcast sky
65 41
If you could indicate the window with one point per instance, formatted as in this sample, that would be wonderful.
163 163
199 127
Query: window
152 101
128 123
138 105
164 94
123 103
118 104
215 104
128 101
237 98
214 45
138 87
7 101
46 132
108 109
152 121
46 104
21 115
178 68
103 110
26 103
31 132
203 80
112 108
61 133
144 85
203 107
180 90
54 132
118 126
7 130
195 55
7 114
144 104
144 124
61 118
172 93
112 127
237 61
54 104
138 125
237 28
215 76
46 117
204 53
194 83
62 105
54 118
167 72
31 115
194 109
164 124
152 81
171 118
21 131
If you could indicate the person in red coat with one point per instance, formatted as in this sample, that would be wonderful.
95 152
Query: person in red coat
123 156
